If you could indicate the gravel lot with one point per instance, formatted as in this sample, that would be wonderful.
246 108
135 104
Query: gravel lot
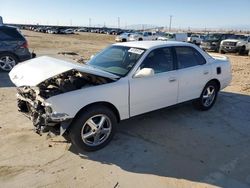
173 147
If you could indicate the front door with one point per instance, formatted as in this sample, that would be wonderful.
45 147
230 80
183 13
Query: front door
159 90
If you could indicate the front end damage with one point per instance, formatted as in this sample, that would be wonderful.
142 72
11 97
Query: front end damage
32 103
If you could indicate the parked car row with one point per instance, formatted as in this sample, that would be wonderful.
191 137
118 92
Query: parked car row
53 30
67 30
217 42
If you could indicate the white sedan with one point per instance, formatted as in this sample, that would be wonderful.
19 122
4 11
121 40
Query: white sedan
122 81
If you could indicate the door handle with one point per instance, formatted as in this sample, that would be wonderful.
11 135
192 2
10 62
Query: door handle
172 79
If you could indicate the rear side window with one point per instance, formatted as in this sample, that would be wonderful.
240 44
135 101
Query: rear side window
8 34
188 57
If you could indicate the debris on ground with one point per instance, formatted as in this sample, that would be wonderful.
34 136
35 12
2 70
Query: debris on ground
68 53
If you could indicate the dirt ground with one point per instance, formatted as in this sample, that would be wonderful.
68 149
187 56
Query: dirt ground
173 147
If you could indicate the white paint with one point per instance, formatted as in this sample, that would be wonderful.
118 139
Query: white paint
131 96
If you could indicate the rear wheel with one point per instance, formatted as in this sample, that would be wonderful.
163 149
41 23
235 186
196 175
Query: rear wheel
93 128
207 97
7 61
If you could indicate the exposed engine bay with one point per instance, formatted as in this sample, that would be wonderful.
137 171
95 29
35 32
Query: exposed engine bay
31 99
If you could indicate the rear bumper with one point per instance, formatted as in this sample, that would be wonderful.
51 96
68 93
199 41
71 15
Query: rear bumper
27 56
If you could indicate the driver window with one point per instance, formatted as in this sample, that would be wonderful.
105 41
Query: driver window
160 60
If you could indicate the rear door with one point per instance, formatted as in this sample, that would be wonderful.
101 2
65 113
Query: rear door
193 73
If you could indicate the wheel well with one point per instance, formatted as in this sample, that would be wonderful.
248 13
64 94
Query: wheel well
107 104
216 81
6 52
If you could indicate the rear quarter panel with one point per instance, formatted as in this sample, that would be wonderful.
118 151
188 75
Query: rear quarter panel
225 76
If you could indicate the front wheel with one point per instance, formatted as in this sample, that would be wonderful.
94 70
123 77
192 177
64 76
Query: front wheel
93 128
208 97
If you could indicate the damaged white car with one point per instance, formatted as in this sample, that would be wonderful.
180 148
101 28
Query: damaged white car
122 81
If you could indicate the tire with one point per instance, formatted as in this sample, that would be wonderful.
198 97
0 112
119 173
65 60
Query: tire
88 123
221 51
140 39
7 61
206 99
242 51
124 40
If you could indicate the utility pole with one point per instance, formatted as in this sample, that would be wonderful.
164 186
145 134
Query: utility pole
89 22
118 20
170 21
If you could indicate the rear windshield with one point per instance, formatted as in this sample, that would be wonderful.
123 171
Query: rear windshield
10 34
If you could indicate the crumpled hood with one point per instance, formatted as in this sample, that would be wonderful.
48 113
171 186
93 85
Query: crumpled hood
35 71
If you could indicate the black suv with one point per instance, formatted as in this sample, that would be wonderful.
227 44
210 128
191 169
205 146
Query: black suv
212 41
13 48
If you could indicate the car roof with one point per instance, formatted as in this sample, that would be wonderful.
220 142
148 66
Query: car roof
151 44
7 27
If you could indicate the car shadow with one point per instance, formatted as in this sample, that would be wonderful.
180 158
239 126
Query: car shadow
184 143
5 80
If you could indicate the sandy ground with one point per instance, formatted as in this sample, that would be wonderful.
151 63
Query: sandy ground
174 147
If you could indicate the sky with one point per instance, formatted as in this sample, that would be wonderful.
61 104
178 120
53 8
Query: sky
186 13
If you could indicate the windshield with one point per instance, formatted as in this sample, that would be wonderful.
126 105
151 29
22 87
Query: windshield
213 37
169 35
239 37
118 60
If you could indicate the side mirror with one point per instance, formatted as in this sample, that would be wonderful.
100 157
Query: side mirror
145 72
92 56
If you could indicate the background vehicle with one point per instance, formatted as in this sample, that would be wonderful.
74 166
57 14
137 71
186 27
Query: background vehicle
143 36
182 37
13 48
212 41
195 39
68 31
109 87
238 44
123 37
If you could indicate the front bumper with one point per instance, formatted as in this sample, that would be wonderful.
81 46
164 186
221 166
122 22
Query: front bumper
209 47
230 49
43 120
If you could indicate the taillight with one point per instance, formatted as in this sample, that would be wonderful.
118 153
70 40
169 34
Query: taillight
24 45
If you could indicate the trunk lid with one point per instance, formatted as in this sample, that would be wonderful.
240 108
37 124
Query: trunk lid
35 71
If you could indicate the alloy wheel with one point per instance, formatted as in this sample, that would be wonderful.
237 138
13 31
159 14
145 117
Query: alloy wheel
96 130
7 63
208 96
